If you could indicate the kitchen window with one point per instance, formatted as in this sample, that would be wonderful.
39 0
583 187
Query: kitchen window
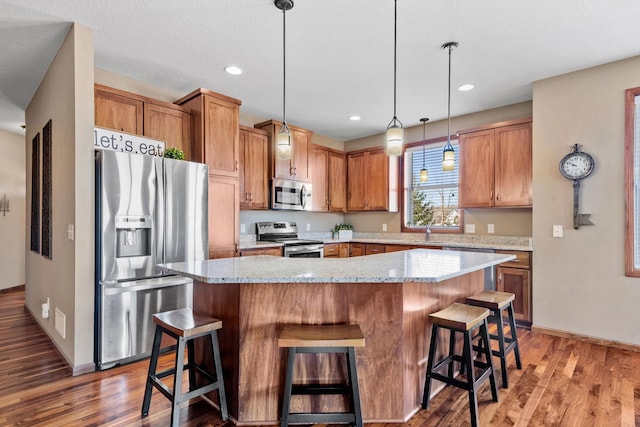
435 202
632 182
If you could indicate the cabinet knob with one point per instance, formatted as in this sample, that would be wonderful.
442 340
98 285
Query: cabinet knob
236 165
491 195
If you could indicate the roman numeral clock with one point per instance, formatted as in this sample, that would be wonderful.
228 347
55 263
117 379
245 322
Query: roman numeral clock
576 166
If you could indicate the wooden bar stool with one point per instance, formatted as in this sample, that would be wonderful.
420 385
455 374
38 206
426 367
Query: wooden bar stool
322 339
184 325
465 319
497 302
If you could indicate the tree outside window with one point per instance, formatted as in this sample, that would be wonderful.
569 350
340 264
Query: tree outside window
433 203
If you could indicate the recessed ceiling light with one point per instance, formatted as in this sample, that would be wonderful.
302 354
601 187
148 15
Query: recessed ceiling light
354 118
232 69
466 87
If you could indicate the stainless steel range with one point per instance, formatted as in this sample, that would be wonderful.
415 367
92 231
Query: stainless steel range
287 234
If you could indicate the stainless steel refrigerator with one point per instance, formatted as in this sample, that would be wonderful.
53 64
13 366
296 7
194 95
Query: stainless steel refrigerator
148 211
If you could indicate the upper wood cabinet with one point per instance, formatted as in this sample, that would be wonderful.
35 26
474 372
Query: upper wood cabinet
216 130
139 115
367 180
329 179
170 125
496 166
254 182
298 167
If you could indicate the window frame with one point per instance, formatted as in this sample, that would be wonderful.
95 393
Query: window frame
629 179
401 174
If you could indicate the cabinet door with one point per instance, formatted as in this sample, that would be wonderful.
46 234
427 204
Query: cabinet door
254 192
337 182
171 125
377 184
224 217
356 249
221 136
356 198
513 165
476 169
344 250
517 282
118 112
319 161
301 141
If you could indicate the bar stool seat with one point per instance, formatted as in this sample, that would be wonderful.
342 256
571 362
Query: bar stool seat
497 302
184 325
465 319
322 339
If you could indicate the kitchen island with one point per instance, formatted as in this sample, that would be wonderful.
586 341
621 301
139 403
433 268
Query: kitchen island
389 295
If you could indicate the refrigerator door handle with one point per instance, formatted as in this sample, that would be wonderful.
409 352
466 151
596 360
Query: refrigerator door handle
143 285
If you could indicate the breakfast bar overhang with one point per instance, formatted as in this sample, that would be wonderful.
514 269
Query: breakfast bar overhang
389 295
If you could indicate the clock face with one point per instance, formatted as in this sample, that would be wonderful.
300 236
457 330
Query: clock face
576 165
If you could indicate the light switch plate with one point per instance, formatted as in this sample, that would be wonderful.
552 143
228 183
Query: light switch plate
384 227
243 228
491 229
470 228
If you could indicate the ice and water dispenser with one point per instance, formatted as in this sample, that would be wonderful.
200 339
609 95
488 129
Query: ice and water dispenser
133 236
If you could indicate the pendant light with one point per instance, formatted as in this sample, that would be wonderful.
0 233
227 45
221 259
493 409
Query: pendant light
395 129
424 173
448 154
283 137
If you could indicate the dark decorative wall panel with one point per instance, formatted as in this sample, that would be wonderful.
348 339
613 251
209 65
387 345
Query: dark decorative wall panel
46 191
35 193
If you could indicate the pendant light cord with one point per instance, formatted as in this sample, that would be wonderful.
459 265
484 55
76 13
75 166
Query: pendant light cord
449 100
395 44
284 66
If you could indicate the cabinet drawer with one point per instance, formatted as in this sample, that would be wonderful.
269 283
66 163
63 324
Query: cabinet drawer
522 260
373 248
331 251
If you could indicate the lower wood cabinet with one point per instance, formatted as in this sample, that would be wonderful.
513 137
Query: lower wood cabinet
356 249
373 248
515 277
336 250
261 251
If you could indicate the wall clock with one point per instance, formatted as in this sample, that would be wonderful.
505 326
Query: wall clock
576 166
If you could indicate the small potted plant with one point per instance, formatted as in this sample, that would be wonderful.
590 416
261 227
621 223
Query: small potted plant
174 153
344 231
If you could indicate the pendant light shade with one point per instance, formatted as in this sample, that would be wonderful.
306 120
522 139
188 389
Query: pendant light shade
424 173
395 130
448 154
283 138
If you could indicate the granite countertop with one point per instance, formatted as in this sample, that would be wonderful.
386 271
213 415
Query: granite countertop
509 243
417 265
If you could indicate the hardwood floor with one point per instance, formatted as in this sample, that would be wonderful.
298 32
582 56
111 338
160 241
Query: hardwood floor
563 382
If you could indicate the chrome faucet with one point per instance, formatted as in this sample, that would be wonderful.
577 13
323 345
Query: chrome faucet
427 233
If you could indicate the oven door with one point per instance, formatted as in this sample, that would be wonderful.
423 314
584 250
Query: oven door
304 251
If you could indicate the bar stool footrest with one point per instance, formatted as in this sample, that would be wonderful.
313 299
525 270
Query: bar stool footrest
321 418
313 389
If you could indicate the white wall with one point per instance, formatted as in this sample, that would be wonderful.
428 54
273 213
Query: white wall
65 96
579 284
12 223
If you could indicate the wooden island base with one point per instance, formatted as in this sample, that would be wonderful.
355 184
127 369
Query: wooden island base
391 365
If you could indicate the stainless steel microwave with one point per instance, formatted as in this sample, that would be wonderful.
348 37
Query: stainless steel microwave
290 195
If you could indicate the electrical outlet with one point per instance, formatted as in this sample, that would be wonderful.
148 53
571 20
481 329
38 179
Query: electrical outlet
557 231
470 228
491 229
243 228
384 227
70 232
308 227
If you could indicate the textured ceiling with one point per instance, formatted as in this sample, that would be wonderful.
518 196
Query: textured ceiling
339 53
